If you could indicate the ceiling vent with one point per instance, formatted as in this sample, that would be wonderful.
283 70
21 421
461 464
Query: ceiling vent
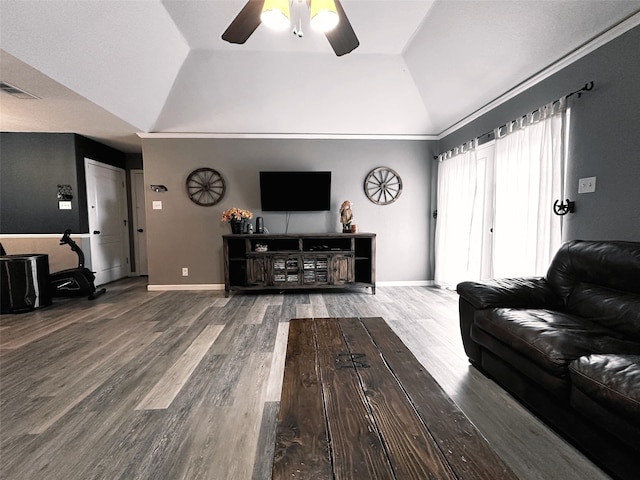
16 92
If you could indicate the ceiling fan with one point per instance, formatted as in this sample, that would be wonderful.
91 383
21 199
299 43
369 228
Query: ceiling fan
341 37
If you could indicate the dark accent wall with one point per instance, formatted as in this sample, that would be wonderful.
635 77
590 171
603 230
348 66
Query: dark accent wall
604 128
32 165
134 161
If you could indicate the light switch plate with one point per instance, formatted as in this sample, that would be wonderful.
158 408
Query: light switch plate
157 204
64 205
587 185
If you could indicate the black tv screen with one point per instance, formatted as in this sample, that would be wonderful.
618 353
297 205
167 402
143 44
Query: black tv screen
295 191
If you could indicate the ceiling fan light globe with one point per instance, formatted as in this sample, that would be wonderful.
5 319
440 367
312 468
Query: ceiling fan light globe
275 14
324 15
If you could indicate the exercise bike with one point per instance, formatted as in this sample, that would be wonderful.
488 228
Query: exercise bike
74 282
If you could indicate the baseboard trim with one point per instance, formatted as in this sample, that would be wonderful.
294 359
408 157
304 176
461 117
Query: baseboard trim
204 286
408 283
220 286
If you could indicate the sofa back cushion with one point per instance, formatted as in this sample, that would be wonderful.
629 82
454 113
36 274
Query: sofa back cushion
600 280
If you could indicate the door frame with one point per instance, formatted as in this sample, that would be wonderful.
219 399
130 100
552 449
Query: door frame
135 221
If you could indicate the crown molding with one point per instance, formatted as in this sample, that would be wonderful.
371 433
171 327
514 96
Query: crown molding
280 136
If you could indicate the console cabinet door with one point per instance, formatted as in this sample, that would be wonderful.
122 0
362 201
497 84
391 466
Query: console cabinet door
341 269
315 269
258 271
285 270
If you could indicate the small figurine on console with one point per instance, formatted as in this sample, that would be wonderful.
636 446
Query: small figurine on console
346 216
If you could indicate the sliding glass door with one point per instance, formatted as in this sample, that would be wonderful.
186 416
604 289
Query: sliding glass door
495 215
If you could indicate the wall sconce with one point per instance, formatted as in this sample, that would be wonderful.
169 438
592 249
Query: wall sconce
159 188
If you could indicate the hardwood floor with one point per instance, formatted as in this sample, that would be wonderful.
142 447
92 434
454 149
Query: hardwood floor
186 385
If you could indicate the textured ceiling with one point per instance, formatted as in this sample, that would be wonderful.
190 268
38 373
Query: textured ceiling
110 69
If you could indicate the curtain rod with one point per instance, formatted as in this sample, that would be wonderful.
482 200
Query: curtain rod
587 88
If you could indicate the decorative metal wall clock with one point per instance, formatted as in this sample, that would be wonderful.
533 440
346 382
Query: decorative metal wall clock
205 186
383 185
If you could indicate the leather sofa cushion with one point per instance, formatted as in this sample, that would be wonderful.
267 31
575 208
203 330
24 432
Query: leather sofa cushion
526 292
613 265
611 380
610 420
619 311
551 339
496 355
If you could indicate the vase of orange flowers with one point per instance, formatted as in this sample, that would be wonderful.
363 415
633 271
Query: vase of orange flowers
237 218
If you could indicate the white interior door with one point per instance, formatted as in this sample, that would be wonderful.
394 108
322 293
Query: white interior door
106 198
139 222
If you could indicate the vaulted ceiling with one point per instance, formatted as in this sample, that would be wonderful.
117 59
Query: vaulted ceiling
110 69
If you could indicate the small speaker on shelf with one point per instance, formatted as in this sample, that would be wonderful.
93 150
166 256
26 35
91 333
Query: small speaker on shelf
259 225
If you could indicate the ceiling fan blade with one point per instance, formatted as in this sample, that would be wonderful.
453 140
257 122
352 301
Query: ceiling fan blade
245 22
342 38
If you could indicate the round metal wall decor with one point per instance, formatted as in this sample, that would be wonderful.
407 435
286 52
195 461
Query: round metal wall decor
383 186
205 186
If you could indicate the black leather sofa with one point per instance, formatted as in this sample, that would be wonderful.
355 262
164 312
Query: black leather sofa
567 345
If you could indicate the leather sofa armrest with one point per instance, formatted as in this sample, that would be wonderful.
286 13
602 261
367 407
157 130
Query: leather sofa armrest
525 292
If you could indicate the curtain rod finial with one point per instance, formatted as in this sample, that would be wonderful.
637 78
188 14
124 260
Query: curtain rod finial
587 88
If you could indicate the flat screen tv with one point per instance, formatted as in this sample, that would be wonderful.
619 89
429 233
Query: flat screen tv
295 191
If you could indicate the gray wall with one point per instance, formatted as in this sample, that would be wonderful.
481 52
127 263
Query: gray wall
605 127
184 234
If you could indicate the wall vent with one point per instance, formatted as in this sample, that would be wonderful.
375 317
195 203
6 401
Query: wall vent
16 92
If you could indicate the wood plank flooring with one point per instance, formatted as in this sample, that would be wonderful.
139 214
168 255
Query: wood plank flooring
186 385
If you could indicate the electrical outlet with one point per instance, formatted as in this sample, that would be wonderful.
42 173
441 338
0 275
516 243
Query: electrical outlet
587 185
185 272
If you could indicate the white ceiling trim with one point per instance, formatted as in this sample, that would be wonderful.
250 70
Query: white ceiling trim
294 136
596 43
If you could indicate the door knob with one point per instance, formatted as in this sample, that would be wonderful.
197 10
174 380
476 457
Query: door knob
96 232
140 230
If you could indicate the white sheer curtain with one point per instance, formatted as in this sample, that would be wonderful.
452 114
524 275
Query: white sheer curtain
459 225
528 177
495 216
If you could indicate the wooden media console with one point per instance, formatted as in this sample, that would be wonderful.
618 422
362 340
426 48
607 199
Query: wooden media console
329 260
